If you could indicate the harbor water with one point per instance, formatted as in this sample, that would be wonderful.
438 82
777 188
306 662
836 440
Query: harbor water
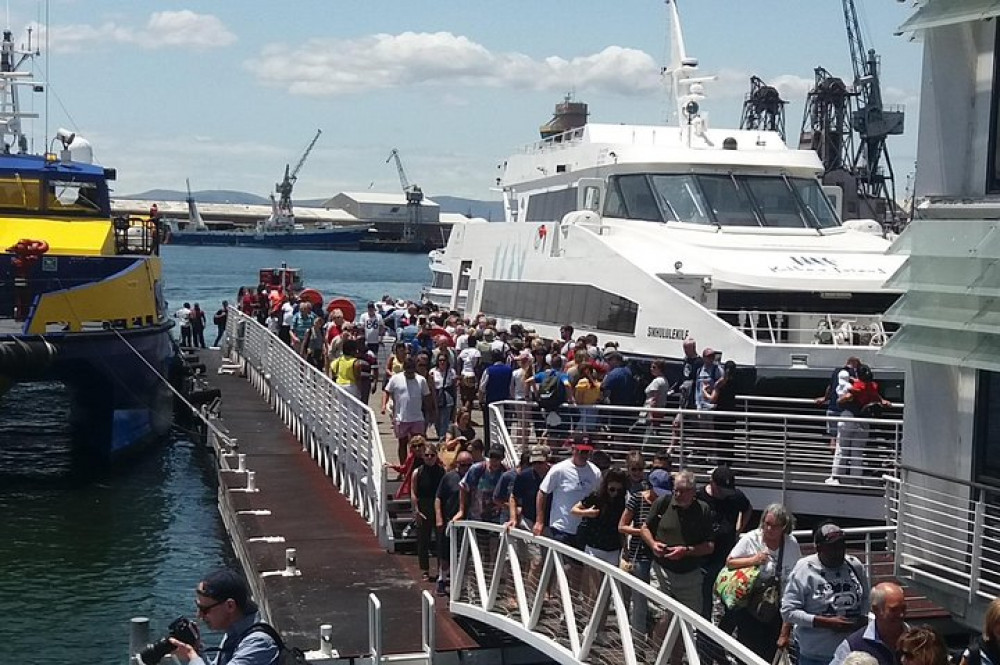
81 550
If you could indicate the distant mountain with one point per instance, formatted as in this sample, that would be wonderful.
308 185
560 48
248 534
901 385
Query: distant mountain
490 210
202 196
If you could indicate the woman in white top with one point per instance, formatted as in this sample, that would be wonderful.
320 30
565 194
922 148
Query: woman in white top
762 547
445 392
656 398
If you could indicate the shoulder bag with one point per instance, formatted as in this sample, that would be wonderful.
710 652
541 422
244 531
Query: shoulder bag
765 597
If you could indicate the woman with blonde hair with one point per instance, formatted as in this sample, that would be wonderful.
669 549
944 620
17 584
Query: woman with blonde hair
989 648
923 646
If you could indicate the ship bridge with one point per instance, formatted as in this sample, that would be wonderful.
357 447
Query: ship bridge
305 492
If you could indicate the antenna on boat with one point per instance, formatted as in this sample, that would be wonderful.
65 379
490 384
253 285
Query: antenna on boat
687 88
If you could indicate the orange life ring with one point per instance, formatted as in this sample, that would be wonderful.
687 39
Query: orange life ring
313 297
345 306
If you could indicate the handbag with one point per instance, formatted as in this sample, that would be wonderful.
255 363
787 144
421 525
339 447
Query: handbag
733 586
765 597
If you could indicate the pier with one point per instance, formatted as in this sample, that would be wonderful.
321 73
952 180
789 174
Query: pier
304 494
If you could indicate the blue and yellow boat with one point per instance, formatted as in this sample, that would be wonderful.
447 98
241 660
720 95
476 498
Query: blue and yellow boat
81 296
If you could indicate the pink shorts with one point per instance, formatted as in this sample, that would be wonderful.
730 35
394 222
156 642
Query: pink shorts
412 428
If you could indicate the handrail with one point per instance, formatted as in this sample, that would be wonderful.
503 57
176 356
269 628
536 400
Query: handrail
572 606
337 430
947 533
784 451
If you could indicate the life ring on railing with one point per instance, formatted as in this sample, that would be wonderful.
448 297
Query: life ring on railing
27 252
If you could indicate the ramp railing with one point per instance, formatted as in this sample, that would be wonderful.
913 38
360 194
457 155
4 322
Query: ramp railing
573 607
337 430
771 448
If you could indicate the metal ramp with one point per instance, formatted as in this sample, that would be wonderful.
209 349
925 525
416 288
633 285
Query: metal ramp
572 607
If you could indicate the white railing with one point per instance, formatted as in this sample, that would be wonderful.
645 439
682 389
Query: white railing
836 329
775 450
339 432
571 606
948 533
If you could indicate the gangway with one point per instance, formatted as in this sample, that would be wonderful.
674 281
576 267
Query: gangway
509 580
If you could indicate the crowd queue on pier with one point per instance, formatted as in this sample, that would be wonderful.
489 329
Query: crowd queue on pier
696 544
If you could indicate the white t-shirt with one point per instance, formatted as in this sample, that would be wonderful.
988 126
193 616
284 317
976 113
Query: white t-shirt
567 483
287 312
520 384
752 542
441 380
469 358
372 325
656 393
183 315
407 397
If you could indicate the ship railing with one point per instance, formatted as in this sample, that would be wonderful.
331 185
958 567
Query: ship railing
136 235
838 329
947 533
771 449
337 430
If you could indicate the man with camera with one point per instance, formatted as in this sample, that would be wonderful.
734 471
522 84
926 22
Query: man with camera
224 604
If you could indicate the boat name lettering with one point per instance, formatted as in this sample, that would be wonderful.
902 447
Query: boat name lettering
822 264
666 333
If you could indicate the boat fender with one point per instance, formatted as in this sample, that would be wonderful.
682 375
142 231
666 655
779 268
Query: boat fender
199 397
21 358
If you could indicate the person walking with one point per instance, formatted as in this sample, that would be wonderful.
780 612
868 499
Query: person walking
198 320
423 489
220 319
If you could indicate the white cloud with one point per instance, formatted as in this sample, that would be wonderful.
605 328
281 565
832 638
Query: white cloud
167 29
381 61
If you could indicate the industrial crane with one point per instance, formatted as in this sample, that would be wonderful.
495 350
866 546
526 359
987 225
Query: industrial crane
763 109
414 198
873 123
283 206
825 127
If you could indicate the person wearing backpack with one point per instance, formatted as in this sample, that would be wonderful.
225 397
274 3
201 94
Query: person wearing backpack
552 392
224 605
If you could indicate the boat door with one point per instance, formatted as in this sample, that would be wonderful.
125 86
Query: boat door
693 286
460 287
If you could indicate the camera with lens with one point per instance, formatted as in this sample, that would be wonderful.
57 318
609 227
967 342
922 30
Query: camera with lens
182 629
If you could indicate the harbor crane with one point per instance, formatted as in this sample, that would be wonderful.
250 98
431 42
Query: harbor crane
873 122
763 109
825 126
414 198
283 206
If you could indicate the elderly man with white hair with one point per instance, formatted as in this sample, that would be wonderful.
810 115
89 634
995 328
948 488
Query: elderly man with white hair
885 624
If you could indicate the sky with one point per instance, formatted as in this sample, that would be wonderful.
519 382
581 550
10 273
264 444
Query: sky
227 92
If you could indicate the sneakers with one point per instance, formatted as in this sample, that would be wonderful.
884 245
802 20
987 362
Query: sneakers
831 481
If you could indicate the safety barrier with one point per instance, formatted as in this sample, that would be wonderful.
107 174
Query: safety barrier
337 430
770 449
573 607
948 533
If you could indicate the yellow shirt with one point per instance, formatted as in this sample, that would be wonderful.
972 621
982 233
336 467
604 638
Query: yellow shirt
346 370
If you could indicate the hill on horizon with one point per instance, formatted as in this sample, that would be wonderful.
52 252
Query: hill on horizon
489 210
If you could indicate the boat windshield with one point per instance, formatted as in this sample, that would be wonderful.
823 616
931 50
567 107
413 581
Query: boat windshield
69 196
722 199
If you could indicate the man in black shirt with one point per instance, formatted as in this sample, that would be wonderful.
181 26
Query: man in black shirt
685 385
446 505
732 511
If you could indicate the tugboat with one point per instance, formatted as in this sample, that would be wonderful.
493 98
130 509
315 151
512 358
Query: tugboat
81 294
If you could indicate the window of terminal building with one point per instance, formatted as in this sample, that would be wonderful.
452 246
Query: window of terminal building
986 436
580 305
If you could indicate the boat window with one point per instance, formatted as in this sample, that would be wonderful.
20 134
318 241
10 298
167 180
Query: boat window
551 206
680 199
613 204
638 197
17 193
776 203
69 196
728 200
582 305
819 210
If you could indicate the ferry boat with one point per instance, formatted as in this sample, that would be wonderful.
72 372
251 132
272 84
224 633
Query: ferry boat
647 235
81 295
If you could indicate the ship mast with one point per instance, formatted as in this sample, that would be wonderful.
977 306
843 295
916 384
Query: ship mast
12 77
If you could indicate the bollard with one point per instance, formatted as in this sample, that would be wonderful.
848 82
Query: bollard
241 462
251 481
291 565
138 636
326 639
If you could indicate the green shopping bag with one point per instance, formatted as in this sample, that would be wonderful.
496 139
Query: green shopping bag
733 586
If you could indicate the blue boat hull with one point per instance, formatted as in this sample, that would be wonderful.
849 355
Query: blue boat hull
343 239
119 401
